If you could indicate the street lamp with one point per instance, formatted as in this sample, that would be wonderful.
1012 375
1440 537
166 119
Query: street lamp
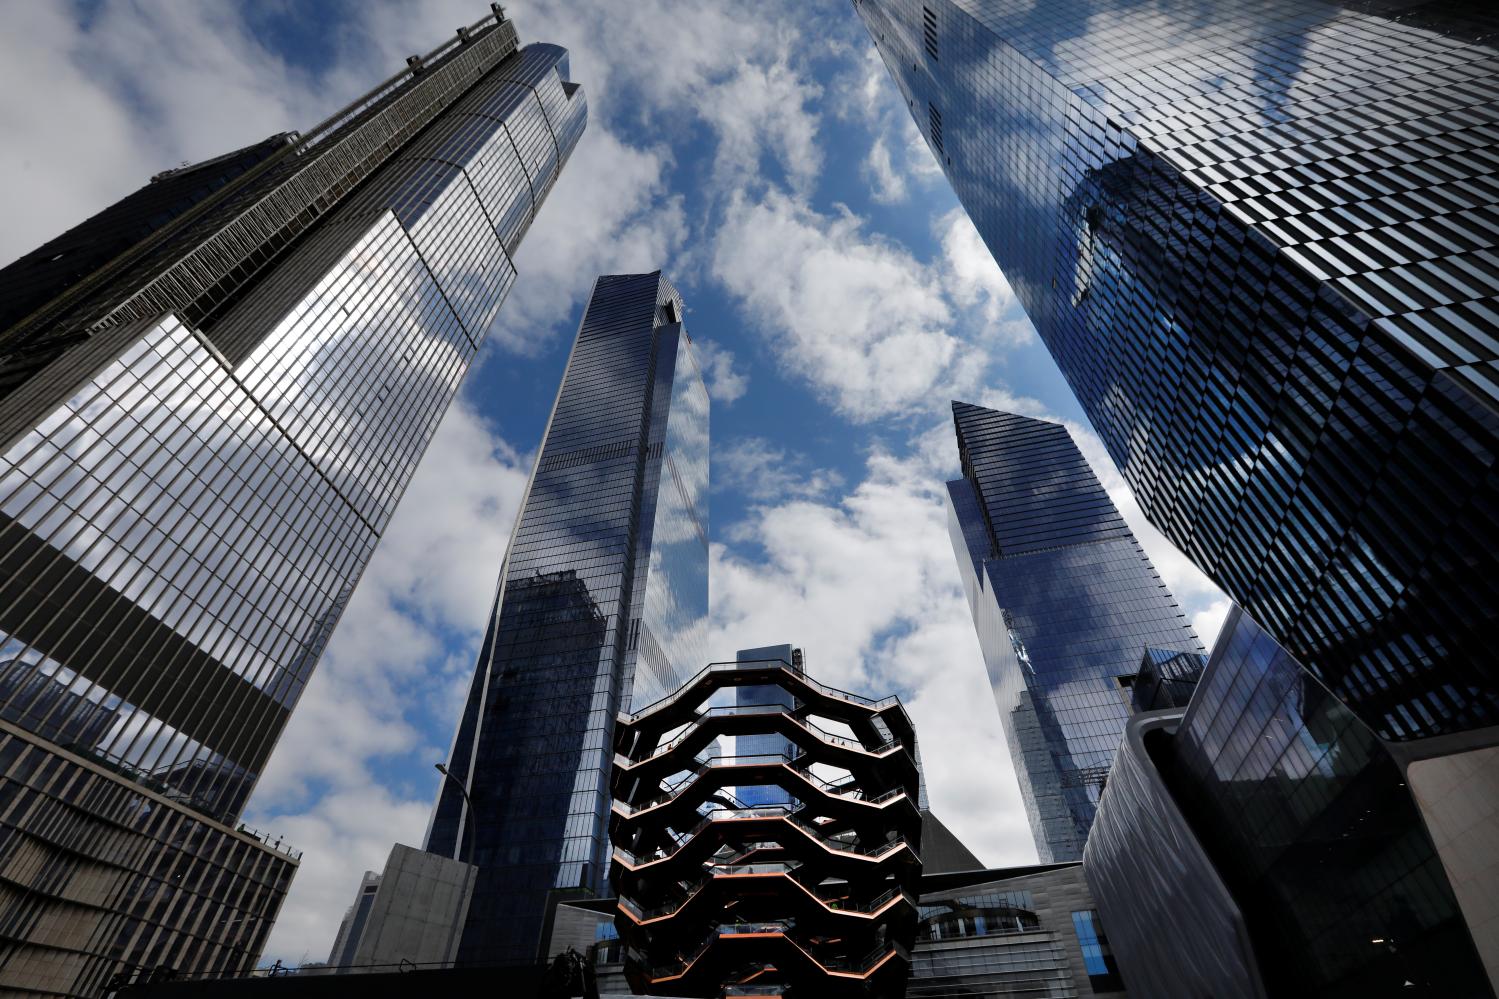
468 825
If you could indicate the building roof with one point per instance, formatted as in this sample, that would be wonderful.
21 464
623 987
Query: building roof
941 850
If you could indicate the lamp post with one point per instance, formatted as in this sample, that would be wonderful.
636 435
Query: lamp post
468 826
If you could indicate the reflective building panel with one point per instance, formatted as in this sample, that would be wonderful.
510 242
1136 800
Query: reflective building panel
1313 826
1260 242
602 605
1064 600
1267 825
1022 932
204 433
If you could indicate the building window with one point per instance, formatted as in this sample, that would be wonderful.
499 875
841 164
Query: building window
934 124
982 915
929 31
1098 959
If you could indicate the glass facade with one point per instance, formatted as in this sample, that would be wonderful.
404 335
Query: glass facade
754 695
1065 600
203 436
1167 679
1259 240
1098 957
1310 823
1175 926
1011 933
602 606
981 914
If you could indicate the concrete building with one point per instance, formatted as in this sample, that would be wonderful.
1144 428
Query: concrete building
410 914
351 928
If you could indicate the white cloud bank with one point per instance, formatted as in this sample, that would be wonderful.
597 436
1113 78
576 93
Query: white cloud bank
851 312
397 666
867 584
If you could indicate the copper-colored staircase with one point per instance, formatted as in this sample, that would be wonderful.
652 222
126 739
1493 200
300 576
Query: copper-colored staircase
812 895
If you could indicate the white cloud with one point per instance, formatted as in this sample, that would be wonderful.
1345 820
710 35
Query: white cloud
130 90
888 187
898 159
350 832
609 213
974 280
1208 622
921 163
758 470
867 585
390 674
760 110
848 310
725 382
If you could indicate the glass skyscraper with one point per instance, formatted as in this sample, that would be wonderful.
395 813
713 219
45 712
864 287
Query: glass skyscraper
1064 600
1260 241
750 697
212 395
602 607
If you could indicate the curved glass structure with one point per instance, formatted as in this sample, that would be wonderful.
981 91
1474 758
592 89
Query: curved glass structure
1266 842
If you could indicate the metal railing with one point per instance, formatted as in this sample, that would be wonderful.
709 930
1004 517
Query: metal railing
729 667
812 728
862 965
793 764
793 871
785 813
679 967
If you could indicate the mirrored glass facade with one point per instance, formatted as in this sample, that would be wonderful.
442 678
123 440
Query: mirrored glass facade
602 607
1167 679
1024 932
204 433
747 698
1312 827
1260 242
1065 600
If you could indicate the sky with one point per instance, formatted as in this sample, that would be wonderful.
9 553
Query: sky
761 157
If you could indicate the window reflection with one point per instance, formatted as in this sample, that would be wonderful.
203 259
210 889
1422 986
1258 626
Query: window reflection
980 915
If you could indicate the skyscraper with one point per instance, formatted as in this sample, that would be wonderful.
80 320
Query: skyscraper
1064 600
1260 242
212 395
602 604
753 697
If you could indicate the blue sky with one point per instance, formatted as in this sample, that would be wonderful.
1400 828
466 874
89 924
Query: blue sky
759 155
